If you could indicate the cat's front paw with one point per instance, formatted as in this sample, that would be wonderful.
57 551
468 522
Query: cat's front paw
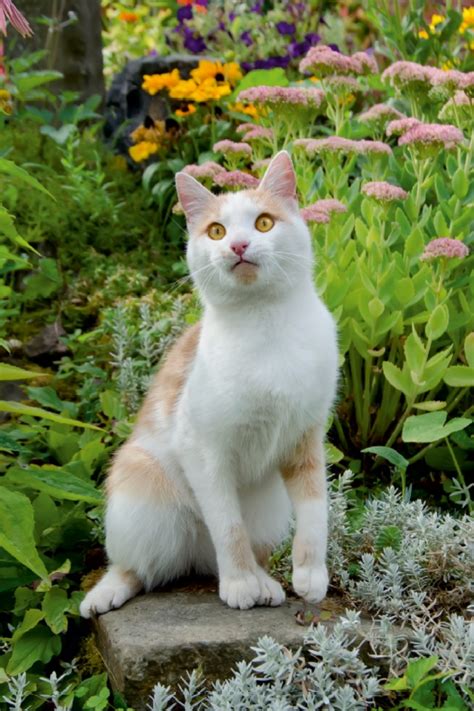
311 582
241 591
271 592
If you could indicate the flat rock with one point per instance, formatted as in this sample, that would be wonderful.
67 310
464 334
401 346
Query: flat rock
163 635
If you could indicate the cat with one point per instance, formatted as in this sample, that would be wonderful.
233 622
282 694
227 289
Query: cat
230 437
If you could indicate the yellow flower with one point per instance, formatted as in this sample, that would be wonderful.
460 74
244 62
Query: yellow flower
467 20
207 69
436 20
191 109
153 83
126 16
210 90
248 109
423 34
142 150
6 104
183 89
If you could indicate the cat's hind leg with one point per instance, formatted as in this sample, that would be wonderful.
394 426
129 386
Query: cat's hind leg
152 532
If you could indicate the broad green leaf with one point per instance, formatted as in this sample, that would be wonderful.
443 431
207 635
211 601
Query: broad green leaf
18 408
7 226
376 307
37 645
415 353
32 80
11 372
459 376
437 322
17 530
396 377
10 168
56 483
391 455
418 669
460 183
431 427
55 605
469 348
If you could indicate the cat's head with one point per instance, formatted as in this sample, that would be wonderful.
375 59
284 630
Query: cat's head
250 243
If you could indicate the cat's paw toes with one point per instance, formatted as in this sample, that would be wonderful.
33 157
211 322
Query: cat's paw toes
240 592
311 582
271 592
103 598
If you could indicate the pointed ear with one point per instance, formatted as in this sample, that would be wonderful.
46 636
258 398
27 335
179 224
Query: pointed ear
194 197
280 178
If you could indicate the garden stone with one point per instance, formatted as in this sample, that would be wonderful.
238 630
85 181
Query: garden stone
161 636
127 105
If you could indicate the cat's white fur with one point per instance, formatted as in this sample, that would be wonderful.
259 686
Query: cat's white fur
199 485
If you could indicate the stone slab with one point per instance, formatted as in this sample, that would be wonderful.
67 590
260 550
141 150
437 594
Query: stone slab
163 635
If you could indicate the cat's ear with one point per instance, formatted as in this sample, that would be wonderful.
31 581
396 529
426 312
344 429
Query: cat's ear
280 178
195 199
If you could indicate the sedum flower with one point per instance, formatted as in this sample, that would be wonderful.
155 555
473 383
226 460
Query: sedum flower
333 144
143 150
324 61
380 114
311 214
408 75
383 191
274 95
258 133
226 146
445 247
235 179
208 169
329 205
432 135
401 126
244 127
343 85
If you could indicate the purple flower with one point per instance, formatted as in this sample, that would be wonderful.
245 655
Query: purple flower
312 37
185 13
445 247
193 42
257 8
286 28
296 49
246 38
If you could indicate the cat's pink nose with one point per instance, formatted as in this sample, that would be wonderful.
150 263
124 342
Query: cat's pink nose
239 247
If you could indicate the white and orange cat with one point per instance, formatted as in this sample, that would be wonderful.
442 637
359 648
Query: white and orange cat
230 436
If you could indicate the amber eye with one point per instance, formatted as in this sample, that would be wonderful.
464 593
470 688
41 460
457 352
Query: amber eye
264 222
216 230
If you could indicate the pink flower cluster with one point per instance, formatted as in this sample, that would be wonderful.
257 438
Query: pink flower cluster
412 75
381 190
209 169
445 247
227 146
321 210
235 179
274 95
343 85
432 134
258 133
379 113
244 127
324 61
401 126
337 144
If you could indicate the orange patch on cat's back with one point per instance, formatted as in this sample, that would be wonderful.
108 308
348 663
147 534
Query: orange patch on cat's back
169 382
135 472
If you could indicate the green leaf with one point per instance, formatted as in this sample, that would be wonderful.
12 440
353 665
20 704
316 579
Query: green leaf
55 605
18 408
8 167
469 348
376 307
27 81
431 427
459 376
389 537
396 377
391 455
17 530
437 322
47 397
56 483
460 183
8 228
415 353
11 372
430 405
37 645
418 669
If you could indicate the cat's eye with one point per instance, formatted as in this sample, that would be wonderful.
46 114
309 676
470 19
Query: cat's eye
216 231
264 222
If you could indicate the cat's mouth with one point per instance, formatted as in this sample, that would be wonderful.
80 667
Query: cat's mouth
244 261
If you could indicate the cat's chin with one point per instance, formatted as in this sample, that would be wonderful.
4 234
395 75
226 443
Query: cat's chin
245 272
